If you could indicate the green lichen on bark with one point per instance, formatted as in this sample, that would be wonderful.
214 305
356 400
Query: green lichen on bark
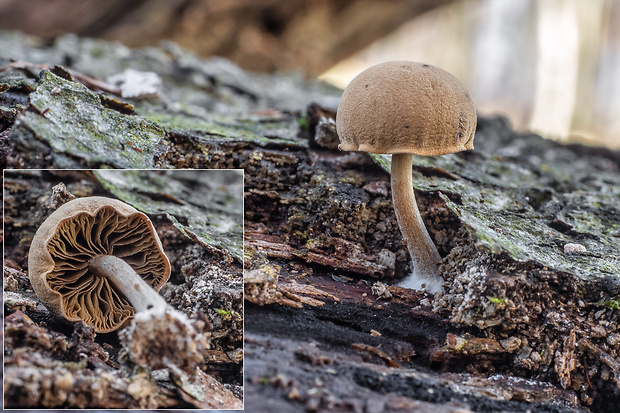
210 101
210 128
72 120
530 205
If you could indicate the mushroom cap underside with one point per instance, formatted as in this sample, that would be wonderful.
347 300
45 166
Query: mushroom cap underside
406 107
74 233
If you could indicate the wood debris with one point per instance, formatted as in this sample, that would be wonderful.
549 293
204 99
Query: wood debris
458 346
375 351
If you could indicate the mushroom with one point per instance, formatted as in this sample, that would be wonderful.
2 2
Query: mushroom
98 260
404 108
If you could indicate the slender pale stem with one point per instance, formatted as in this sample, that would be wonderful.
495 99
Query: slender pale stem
138 292
421 247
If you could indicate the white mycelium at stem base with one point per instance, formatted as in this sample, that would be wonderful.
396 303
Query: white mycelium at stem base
424 255
137 291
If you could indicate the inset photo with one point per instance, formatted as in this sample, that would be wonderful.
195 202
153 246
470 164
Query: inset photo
123 289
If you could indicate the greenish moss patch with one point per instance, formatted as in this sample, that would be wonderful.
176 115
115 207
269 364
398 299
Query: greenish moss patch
71 120
496 300
530 211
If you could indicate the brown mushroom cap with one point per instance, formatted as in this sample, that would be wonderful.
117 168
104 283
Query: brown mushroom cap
406 107
78 231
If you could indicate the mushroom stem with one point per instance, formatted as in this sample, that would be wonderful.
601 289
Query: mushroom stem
141 296
421 247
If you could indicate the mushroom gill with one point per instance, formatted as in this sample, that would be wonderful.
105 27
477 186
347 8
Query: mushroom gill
90 296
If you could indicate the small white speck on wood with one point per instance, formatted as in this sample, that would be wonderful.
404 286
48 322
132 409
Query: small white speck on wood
574 248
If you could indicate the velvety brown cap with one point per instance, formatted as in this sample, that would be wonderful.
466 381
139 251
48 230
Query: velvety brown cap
406 107
78 231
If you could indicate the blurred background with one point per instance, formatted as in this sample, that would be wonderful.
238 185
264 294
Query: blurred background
550 66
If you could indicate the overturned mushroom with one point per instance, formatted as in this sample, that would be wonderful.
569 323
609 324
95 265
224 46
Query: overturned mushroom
98 260
405 108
